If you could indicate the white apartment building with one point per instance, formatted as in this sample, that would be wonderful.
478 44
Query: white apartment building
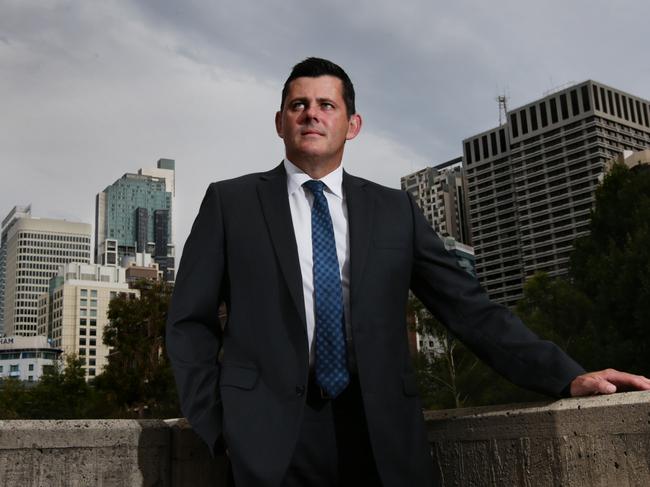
74 311
440 192
16 213
27 358
35 248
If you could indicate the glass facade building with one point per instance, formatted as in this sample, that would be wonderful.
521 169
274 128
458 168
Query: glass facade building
133 215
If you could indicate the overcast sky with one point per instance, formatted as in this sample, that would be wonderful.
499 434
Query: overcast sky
90 90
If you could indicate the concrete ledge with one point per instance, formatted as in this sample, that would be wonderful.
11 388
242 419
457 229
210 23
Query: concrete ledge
84 453
598 441
595 441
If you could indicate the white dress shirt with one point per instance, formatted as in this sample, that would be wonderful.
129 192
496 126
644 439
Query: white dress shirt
301 201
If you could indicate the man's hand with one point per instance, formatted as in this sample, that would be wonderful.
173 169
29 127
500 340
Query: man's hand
608 381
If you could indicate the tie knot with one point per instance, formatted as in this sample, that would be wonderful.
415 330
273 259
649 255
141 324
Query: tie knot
316 187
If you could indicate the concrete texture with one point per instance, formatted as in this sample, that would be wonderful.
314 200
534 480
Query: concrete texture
597 441
103 453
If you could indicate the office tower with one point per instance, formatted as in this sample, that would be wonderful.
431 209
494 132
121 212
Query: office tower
36 247
134 215
531 181
16 213
73 313
27 358
440 192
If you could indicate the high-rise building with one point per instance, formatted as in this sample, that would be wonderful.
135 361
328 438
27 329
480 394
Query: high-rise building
35 248
440 192
531 181
16 213
134 215
73 313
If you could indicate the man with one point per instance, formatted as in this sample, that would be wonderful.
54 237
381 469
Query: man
310 382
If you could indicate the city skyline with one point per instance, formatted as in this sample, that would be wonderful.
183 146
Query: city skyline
98 90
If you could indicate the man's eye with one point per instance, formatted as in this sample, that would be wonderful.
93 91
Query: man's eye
298 105
327 106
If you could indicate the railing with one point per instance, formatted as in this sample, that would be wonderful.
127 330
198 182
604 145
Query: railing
597 441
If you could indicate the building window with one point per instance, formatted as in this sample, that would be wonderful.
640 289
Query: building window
585 97
564 107
533 118
513 124
93 293
31 367
553 103
14 368
84 293
468 155
575 109
524 122
477 151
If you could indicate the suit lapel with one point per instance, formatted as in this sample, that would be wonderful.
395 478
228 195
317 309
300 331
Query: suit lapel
360 214
272 192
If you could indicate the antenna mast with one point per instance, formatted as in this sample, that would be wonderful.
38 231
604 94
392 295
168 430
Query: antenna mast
502 100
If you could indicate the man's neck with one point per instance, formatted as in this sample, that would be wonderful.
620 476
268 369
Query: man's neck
316 169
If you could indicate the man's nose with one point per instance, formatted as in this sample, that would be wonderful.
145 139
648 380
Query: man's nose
310 112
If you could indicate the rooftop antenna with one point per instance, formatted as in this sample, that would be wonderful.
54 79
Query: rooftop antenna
502 100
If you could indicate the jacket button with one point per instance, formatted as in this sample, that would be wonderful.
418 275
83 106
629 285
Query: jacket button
300 390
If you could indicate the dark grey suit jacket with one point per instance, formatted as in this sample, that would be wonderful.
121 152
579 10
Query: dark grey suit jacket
248 381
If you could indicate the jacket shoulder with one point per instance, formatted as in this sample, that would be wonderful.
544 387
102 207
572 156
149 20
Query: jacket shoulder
381 190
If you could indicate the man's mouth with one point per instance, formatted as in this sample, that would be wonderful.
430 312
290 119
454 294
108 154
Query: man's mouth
312 132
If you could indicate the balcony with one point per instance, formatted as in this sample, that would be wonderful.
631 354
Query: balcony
595 441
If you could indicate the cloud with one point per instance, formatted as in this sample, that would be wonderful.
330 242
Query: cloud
92 90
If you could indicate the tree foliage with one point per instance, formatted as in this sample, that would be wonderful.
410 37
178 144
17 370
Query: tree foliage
611 266
137 382
138 377
452 376
600 313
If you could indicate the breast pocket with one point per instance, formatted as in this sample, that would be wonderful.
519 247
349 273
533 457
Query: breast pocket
393 244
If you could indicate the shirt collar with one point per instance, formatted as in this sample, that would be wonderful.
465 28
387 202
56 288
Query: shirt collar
296 178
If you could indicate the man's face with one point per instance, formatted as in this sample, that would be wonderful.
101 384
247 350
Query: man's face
314 123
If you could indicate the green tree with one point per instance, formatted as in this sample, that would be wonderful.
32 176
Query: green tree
61 393
138 378
557 311
13 396
453 376
611 266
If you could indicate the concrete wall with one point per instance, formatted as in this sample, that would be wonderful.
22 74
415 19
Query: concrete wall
598 441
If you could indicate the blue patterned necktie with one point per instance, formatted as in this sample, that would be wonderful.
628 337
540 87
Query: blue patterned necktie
331 368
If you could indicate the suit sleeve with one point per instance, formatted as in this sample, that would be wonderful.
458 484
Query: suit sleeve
194 334
491 331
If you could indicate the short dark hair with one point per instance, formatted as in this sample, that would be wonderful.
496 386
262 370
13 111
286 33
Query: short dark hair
313 67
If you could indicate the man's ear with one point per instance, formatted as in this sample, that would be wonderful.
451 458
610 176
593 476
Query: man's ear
278 123
354 126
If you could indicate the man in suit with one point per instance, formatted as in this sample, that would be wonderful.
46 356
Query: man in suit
310 382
